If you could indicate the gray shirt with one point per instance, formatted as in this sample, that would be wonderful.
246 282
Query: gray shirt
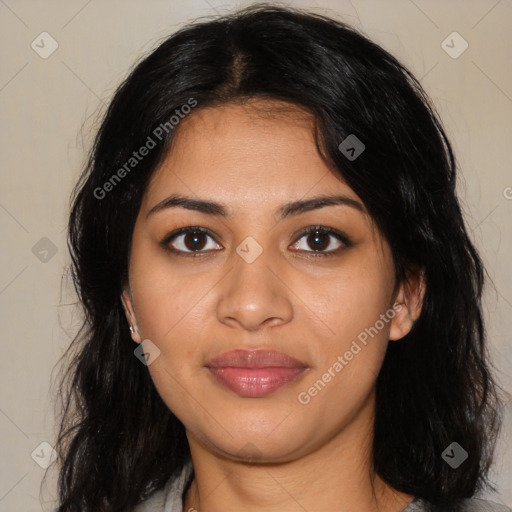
170 499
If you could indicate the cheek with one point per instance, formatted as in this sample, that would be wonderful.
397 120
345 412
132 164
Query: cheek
355 306
172 317
348 362
163 295
353 299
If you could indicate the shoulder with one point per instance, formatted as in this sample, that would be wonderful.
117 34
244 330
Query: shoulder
477 505
168 499
470 505
155 503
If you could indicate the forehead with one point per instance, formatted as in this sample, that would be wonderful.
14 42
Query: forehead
259 149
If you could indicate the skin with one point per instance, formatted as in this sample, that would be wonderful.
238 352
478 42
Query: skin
271 451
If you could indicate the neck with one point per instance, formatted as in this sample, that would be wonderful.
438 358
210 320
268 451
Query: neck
336 476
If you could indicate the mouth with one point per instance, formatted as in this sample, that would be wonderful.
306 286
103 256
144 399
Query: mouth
254 373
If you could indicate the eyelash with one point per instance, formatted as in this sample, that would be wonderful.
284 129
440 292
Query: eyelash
340 236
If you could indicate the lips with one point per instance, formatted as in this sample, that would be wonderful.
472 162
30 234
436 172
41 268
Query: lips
254 373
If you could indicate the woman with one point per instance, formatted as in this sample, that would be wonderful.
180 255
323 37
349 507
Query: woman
269 213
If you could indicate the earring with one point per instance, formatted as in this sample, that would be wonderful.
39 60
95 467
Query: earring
132 330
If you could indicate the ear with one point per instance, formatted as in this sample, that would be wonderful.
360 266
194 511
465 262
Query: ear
407 305
129 311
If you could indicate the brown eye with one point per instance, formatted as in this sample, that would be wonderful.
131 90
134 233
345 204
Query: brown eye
191 240
194 241
318 241
321 240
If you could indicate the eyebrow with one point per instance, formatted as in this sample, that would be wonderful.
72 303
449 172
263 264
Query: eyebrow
287 210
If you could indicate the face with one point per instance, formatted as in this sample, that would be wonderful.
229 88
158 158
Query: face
301 291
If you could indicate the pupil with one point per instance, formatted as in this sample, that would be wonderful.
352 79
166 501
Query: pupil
194 239
318 240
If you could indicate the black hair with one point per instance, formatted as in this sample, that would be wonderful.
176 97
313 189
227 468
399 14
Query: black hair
118 442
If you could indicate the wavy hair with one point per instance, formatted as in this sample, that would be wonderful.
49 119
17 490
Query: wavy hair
118 442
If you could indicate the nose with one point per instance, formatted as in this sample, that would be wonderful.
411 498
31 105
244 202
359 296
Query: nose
254 295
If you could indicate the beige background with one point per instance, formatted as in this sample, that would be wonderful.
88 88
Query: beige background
49 109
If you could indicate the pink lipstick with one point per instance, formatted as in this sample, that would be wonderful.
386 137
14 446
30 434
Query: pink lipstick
254 373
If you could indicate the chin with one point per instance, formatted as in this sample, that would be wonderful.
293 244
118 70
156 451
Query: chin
268 445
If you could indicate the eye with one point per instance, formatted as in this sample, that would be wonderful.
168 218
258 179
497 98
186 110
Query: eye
192 240
195 241
322 240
